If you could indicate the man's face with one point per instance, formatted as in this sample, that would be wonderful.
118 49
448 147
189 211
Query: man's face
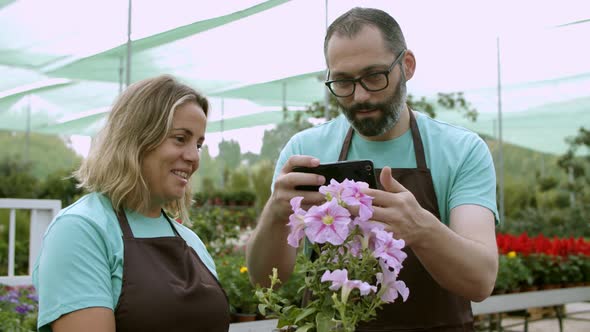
390 109
372 114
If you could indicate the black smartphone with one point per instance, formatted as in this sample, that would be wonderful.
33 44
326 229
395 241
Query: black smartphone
357 170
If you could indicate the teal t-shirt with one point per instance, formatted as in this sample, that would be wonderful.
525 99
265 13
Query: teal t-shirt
81 260
459 160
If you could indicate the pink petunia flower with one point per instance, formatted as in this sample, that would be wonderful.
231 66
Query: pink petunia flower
389 249
352 196
390 286
339 279
327 223
296 222
333 190
367 226
355 246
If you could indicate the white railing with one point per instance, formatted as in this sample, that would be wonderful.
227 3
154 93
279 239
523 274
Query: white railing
42 212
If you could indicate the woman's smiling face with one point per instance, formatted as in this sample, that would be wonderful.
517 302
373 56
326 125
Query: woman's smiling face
167 168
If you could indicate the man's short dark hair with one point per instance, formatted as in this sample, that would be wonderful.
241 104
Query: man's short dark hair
350 23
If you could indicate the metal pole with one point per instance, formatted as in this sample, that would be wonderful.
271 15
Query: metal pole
223 171
284 96
28 131
128 76
500 152
570 174
326 92
121 70
222 117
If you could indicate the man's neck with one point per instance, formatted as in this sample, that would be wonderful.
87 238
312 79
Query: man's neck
402 125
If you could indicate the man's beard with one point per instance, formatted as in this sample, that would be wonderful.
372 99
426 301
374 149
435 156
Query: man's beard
391 108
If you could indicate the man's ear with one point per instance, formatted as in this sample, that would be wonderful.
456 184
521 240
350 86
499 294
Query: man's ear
409 64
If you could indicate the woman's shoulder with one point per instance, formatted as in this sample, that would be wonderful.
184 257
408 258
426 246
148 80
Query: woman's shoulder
92 211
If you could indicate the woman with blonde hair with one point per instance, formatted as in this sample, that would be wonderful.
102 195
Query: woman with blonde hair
114 260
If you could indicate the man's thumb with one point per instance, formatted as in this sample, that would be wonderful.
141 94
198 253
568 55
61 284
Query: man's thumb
389 183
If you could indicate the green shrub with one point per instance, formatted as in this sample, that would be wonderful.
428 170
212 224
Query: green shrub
18 309
233 276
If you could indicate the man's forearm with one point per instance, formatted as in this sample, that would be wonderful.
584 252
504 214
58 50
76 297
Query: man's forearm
268 248
459 264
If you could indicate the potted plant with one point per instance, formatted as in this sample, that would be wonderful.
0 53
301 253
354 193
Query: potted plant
356 269
552 276
233 276
505 279
572 269
18 308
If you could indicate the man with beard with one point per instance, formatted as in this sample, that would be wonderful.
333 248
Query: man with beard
437 181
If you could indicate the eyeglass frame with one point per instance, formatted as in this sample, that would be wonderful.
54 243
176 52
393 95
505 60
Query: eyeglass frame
359 80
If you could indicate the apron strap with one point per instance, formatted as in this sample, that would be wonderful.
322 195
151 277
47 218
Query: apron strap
124 224
171 223
126 229
417 140
418 146
346 145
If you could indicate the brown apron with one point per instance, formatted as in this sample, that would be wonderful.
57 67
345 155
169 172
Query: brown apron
429 307
166 287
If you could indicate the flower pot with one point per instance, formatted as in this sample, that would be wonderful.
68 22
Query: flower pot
240 318
530 288
498 291
514 290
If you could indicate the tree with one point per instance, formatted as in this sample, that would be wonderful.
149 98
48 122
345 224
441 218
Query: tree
47 153
208 176
262 174
239 180
229 153
16 180
61 185
577 168
275 139
569 161
250 158
452 101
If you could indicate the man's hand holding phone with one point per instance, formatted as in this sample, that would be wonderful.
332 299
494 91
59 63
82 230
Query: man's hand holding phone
287 180
303 175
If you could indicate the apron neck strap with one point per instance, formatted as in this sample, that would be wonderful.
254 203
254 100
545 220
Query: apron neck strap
417 140
126 229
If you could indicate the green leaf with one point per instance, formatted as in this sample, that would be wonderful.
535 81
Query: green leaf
305 327
283 322
324 322
305 313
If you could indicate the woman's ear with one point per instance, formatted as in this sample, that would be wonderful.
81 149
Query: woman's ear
409 64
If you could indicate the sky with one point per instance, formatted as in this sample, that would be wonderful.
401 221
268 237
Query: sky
455 42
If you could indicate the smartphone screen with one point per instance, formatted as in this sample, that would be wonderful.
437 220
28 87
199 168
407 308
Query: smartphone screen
357 170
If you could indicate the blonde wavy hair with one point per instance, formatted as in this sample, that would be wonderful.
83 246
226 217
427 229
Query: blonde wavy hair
140 121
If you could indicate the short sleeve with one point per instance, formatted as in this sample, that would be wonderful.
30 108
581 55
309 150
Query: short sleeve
72 271
475 181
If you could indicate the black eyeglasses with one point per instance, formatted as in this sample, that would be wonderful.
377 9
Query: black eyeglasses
371 82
